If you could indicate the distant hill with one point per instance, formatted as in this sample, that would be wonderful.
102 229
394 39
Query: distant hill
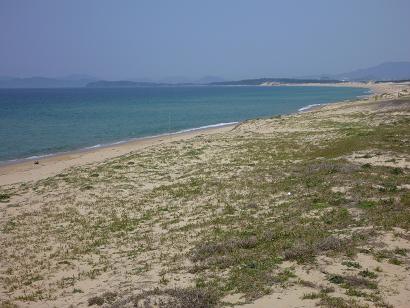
387 71
259 81
188 80
133 84
72 81
174 80
209 79
122 84
5 78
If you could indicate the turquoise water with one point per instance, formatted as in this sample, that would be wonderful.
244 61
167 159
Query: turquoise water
35 122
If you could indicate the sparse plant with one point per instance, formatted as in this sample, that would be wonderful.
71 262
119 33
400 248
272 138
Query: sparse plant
368 274
4 197
351 264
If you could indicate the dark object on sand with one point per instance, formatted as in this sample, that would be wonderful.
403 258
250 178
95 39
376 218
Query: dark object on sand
36 162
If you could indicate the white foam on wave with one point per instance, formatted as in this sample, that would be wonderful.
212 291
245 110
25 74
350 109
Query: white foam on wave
39 156
308 107
93 147
205 127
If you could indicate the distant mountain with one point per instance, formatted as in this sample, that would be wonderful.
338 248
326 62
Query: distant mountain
175 80
72 81
259 81
5 78
387 71
122 84
164 82
209 79
79 77
187 80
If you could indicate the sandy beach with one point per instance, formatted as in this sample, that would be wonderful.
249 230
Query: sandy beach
382 88
297 210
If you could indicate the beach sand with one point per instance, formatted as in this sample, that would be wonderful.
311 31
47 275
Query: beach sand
291 211
383 88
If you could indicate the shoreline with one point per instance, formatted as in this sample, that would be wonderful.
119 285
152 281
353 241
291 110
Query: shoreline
24 170
41 156
110 144
35 157
305 108
376 88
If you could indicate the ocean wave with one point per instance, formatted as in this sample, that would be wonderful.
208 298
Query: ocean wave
308 107
205 127
93 147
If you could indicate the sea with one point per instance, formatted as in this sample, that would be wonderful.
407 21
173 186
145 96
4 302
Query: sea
43 122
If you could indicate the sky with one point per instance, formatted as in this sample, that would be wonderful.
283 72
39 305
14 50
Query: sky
233 39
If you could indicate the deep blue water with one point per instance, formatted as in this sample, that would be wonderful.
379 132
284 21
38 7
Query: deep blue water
43 121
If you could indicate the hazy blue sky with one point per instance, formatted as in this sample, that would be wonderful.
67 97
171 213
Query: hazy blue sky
232 39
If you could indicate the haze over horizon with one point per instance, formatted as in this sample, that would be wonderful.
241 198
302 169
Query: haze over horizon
230 39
